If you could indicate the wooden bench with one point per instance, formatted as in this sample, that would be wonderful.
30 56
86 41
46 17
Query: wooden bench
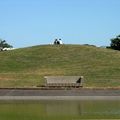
64 81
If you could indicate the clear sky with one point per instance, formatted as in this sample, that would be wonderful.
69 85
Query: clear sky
33 22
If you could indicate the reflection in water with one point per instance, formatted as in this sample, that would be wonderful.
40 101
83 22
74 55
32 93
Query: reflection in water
63 108
57 110
79 108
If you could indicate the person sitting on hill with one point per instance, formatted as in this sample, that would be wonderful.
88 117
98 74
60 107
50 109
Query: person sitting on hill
58 42
55 42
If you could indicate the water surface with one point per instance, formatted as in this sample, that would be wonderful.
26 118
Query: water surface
59 110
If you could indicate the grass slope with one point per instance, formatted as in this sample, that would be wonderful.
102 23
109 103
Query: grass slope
26 67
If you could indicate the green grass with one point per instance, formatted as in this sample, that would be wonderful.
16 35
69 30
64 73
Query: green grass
26 67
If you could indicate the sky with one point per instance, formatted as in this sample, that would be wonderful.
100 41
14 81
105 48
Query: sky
25 23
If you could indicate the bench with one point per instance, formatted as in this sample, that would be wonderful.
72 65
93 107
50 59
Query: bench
64 81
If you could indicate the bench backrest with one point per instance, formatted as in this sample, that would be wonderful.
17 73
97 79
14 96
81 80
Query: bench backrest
64 80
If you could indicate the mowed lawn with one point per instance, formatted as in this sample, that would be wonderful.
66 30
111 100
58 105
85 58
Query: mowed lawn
26 67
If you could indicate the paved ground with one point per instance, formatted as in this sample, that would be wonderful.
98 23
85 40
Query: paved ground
60 98
38 92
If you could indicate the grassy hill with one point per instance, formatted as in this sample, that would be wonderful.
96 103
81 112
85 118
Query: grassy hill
26 67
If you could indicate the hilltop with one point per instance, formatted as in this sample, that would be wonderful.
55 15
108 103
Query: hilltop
26 67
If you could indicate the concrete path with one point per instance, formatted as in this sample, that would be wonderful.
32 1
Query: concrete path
59 97
37 94
80 92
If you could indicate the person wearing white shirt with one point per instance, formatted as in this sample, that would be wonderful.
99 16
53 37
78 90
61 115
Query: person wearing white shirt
60 41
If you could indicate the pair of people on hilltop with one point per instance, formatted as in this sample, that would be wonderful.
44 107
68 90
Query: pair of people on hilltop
58 42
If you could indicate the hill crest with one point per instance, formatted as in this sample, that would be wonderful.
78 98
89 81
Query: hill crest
27 66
